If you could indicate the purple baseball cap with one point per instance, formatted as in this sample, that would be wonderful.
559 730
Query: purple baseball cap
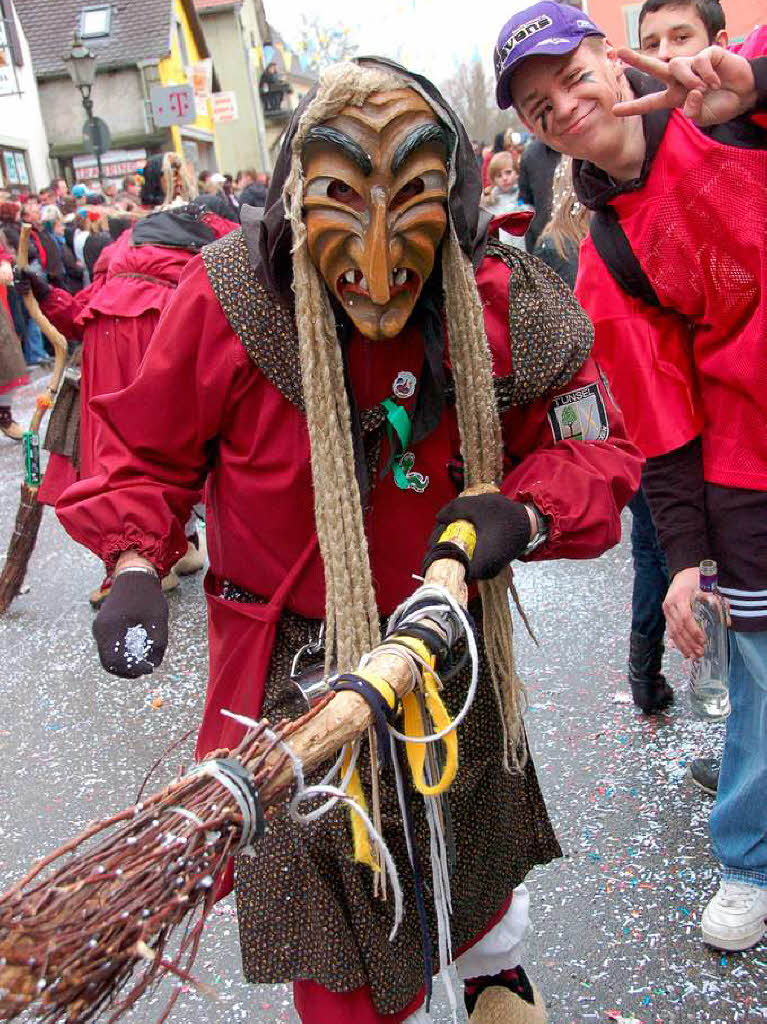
544 28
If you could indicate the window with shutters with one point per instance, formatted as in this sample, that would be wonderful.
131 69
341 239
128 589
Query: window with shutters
13 168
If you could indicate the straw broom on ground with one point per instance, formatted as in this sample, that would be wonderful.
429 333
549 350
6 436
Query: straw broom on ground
30 511
74 930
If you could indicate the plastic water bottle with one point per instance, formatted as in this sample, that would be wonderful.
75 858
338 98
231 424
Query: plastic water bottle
709 692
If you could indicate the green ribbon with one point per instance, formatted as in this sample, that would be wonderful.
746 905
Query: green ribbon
399 425
398 421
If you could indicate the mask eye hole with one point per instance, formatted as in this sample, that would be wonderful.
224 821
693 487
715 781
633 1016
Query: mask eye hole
343 193
413 188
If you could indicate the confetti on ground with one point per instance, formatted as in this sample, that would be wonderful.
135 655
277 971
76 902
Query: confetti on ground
619 912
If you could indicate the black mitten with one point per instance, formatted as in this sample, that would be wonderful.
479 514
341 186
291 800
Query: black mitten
131 629
26 280
503 533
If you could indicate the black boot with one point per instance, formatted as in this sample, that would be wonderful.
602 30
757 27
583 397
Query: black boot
649 688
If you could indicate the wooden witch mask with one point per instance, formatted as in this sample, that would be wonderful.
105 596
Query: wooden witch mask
375 205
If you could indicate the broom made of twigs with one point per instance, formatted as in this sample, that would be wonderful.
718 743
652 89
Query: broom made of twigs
72 939
24 536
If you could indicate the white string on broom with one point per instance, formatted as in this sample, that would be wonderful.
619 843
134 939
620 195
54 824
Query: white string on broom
403 616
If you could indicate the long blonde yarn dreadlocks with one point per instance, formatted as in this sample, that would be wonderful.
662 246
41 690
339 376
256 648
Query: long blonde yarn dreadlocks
351 613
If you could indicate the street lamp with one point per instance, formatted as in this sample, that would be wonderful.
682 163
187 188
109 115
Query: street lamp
81 65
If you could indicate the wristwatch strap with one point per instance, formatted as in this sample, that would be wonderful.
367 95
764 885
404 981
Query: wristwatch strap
542 532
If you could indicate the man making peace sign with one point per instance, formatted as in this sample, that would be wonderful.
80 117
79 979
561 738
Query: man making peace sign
674 277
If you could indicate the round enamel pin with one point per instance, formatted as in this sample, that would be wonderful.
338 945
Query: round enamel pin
404 384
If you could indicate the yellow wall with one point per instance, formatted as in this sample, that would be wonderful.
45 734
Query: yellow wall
172 72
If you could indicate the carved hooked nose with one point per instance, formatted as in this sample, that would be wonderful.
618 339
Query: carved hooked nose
377 253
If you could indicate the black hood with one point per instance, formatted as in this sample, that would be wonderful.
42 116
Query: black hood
181 227
270 249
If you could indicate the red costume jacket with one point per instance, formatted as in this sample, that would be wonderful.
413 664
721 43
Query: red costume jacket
697 227
237 431
115 318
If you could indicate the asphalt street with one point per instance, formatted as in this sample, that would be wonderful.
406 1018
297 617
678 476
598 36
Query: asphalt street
615 922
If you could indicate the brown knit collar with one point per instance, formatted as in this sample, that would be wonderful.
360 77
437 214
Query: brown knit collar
551 336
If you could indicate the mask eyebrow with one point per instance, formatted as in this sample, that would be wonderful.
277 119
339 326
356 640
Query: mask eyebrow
344 142
419 137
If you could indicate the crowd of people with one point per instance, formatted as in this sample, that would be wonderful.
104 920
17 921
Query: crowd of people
70 227
368 334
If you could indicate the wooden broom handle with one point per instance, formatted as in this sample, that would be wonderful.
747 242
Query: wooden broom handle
54 336
347 716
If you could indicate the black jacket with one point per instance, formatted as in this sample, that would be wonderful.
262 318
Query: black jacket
536 184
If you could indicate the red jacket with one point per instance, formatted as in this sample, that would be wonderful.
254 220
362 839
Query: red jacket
200 411
156 452
115 318
697 227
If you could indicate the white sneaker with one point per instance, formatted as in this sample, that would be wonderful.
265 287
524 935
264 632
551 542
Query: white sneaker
736 917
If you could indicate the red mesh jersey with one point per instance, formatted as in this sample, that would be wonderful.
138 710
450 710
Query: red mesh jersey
698 229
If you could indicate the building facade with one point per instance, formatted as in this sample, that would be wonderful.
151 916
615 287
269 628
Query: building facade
620 20
24 163
234 31
137 45
297 81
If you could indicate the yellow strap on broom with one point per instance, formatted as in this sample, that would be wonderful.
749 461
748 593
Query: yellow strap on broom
464 534
413 726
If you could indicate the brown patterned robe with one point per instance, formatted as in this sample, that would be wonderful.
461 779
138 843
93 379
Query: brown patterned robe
306 909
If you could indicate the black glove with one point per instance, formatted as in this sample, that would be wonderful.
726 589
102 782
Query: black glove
25 280
503 533
131 629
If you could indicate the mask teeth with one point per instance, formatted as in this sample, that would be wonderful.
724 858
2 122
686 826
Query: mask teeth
364 284
400 275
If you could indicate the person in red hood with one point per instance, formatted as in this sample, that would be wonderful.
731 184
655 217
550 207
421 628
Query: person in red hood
13 370
115 317
345 366
674 276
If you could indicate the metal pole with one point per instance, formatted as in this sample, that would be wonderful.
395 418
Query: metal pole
85 91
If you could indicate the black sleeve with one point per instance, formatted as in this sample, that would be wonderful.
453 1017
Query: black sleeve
674 487
525 194
759 67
